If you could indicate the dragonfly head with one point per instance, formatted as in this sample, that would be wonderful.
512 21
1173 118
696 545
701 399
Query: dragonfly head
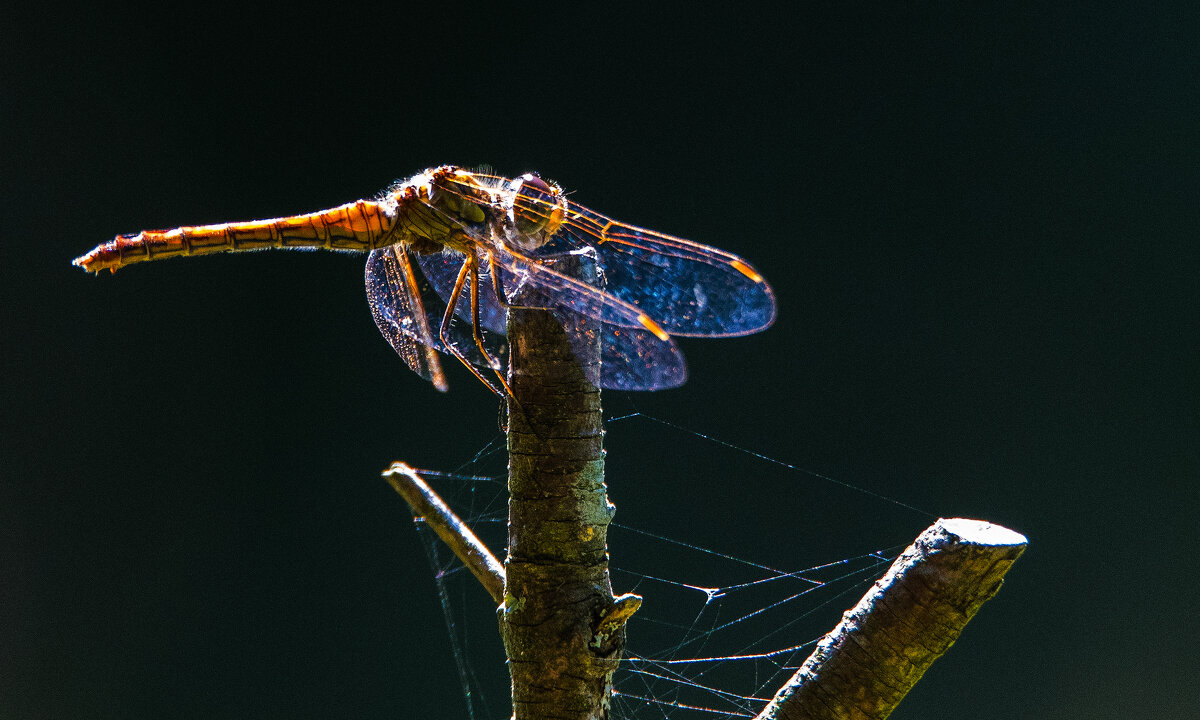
538 210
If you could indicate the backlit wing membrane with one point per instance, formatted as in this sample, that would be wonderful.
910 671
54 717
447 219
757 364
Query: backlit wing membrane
397 310
408 313
687 288
630 358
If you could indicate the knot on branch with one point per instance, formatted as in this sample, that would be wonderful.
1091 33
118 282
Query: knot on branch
612 622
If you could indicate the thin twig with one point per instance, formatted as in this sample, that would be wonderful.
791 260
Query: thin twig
913 614
427 506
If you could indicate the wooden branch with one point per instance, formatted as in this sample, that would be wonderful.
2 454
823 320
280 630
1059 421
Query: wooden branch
563 630
427 506
864 667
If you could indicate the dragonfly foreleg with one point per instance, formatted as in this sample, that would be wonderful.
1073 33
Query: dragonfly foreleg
470 268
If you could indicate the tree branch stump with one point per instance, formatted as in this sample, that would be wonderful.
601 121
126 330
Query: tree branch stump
562 628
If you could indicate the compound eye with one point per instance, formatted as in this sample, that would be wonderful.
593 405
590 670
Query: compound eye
537 207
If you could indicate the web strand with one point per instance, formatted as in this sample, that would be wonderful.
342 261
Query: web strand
774 461
726 655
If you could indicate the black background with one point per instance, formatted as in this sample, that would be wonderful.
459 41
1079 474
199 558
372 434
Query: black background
981 226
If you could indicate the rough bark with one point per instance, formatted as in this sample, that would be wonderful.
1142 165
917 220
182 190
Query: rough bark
864 667
562 628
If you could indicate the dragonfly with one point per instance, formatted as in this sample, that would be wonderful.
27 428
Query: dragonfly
450 248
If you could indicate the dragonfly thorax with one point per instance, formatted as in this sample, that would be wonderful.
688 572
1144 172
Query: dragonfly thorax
443 208
524 212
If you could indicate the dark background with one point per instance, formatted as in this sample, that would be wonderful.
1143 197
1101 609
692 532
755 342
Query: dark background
981 226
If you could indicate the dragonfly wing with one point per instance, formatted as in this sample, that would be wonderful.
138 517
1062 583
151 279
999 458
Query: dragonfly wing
408 312
635 359
564 291
441 269
688 288
398 312
631 358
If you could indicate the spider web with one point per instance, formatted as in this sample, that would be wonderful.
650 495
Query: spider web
718 633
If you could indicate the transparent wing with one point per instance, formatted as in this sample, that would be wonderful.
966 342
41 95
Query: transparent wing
635 359
408 312
441 270
398 312
653 285
631 358
688 288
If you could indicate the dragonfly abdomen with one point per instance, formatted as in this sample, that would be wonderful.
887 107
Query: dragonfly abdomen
360 226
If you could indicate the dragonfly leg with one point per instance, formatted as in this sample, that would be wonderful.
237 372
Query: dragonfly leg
473 263
470 268
498 287
437 375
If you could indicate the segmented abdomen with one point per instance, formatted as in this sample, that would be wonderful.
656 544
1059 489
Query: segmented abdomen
361 225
